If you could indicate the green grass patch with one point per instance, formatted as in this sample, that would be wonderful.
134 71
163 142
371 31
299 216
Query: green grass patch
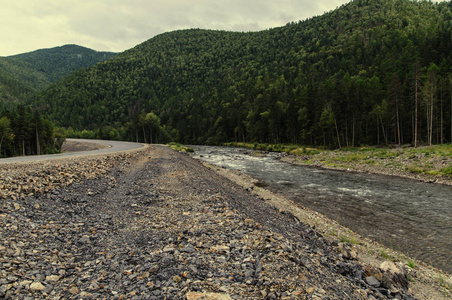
332 232
179 147
369 162
444 150
411 264
347 239
287 148
447 170
353 157
433 172
415 170
383 254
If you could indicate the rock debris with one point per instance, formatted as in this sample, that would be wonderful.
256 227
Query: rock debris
156 224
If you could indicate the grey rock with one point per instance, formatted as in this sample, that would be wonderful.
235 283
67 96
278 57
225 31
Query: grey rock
188 249
3 289
271 296
84 240
372 281
249 273
154 268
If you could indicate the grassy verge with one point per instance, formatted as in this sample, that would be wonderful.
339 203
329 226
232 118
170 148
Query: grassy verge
286 148
179 147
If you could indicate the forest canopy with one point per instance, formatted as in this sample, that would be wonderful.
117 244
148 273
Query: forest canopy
24 74
370 72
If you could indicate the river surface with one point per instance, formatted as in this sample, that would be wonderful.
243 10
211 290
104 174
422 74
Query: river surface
406 215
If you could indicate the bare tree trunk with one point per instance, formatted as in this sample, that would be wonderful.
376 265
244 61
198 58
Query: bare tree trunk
431 122
398 124
1 142
415 115
378 133
442 121
337 133
416 101
144 135
346 134
384 132
38 147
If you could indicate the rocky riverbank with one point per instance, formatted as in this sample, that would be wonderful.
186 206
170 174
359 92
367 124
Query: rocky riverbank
421 164
156 224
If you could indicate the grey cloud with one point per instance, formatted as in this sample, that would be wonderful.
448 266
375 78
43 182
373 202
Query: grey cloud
116 25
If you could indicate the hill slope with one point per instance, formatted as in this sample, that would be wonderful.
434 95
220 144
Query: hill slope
370 72
22 74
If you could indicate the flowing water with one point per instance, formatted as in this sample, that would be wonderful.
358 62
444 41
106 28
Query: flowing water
406 215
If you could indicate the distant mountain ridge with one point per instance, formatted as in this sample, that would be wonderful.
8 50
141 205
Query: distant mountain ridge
23 74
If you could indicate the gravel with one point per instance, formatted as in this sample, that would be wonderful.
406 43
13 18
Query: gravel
156 224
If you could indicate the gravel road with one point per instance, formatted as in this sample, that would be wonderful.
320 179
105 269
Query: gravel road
156 224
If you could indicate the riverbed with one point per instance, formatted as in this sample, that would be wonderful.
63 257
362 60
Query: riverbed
409 216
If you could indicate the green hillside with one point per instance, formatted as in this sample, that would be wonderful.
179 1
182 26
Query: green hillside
23 74
370 72
18 80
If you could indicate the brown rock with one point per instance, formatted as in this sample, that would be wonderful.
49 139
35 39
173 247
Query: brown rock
207 296
220 249
36 287
347 251
53 278
393 275
74 290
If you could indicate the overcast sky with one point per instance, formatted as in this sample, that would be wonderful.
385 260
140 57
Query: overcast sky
118 25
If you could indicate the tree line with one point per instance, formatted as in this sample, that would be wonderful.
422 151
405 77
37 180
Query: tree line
370 72
144 127
24 131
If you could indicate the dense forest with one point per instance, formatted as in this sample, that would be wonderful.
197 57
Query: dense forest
24 131
372 72
24 74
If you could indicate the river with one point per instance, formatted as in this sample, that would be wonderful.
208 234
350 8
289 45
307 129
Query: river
409 216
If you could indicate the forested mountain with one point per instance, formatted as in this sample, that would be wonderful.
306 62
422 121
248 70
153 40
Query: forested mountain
23 131
23 74
369 72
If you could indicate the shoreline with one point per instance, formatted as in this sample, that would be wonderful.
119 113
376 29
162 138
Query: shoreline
363 169
426 281
430 164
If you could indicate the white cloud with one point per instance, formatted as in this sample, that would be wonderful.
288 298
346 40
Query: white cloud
117 25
